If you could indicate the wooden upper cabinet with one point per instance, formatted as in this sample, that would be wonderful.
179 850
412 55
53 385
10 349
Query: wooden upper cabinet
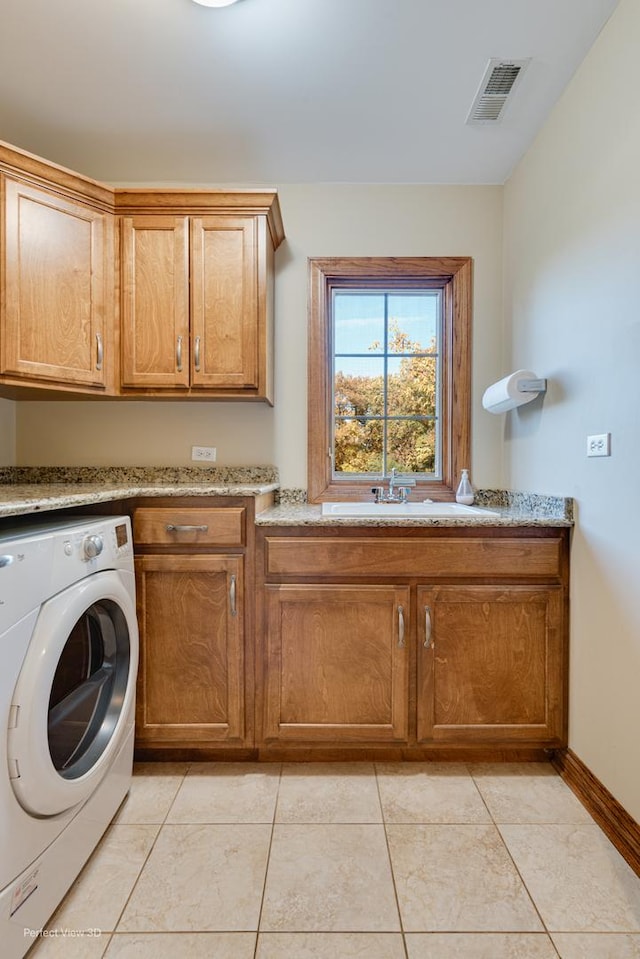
225 304
58 277
196 273
197 292
155 301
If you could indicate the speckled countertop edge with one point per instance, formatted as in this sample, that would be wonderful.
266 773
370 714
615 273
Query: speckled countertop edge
514 508
310 515
16 500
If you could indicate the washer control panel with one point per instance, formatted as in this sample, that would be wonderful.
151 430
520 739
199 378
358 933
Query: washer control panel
91 547
111 540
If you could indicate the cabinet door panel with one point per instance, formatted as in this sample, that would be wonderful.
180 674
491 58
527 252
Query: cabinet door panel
337 663
190 685
490 663
58 276
155 301
224 302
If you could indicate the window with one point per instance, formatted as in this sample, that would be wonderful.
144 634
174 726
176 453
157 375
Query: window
386 383
389 373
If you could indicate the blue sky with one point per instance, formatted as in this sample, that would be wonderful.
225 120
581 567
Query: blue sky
360 321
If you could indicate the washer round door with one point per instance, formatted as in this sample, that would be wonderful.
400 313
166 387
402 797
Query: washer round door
75 694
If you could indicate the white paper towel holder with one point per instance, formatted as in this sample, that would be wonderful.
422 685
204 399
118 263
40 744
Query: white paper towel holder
514 390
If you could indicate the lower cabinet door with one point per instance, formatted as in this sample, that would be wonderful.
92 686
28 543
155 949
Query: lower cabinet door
337 664
191 674
491 664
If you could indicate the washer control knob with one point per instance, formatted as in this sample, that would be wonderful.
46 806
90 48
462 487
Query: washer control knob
92 546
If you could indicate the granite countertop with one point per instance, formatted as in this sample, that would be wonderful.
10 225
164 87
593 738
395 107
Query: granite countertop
29 490
36 490
513 509
41 497
309 515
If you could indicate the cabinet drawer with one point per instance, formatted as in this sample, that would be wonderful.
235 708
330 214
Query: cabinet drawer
189 527
332 556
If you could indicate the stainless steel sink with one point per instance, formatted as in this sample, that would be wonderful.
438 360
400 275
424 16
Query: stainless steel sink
406 510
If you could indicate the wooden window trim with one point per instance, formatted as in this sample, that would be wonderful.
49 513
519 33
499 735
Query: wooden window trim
451 274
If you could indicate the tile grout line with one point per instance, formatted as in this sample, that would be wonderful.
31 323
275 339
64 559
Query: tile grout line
151 848
520 876
266 870
393 877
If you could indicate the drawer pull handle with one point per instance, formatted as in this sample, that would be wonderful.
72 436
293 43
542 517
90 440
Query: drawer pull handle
172 528
99 352
196 357
428 630
232 596
400 626
179 354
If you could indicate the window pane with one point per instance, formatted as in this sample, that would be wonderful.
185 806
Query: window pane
359 387
358 446
413 322
411 386
411 446
358 323
373 379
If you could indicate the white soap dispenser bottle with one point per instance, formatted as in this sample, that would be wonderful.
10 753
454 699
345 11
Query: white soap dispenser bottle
464 493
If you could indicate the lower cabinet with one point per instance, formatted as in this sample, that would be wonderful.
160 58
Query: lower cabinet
489 663
337 663
423 645
401 644
191 674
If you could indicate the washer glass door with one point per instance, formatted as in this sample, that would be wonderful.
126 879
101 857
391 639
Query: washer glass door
88 688
74 699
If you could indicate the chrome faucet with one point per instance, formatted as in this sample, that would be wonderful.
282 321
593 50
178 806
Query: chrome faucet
397 492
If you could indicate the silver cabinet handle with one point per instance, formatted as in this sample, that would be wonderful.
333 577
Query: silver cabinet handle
400 626
232 596
196 355
427 627
179 354
172 528
99 352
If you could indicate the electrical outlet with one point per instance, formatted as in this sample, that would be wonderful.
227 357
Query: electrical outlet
599 444
206 453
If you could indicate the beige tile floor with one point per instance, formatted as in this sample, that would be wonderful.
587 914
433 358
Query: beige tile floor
351 861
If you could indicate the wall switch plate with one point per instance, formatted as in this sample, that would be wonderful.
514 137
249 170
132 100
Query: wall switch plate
599 444
205 453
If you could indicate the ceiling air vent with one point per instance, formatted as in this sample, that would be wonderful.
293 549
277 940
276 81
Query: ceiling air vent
498 83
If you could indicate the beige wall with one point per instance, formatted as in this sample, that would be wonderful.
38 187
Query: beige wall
572 295
7 433
319 221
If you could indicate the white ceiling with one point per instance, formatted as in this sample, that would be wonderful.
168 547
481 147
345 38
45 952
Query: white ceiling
270 91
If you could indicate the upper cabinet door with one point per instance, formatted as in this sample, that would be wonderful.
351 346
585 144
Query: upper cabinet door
224 302
155 302
58 276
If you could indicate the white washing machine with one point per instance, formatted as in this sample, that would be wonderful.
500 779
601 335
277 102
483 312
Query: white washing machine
68 663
